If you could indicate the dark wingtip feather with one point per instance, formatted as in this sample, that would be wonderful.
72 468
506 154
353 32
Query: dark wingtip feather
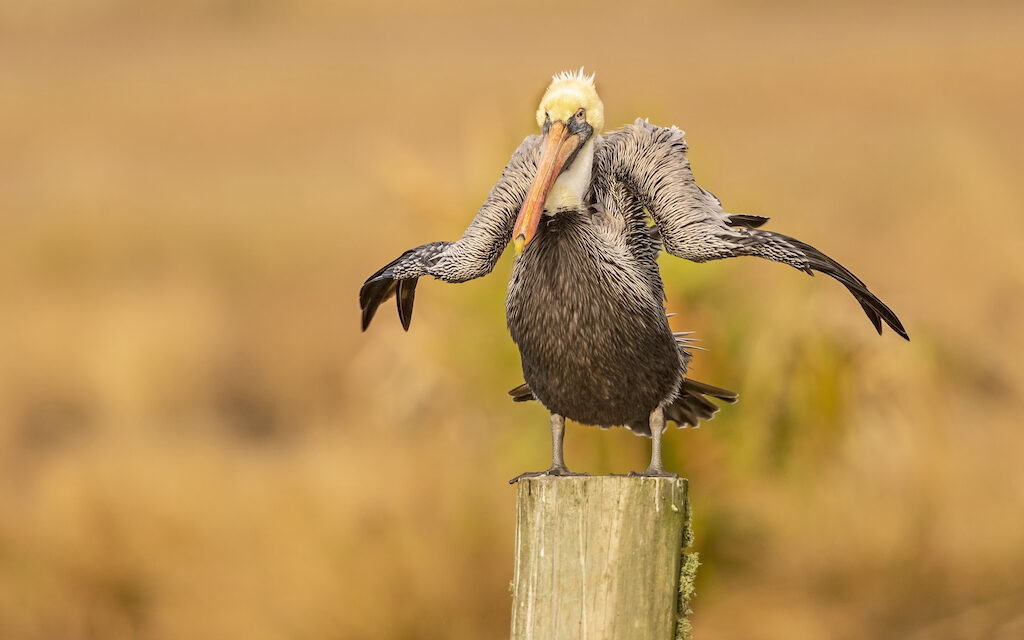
373 293
873 307
406 296
366 292
379 288
871 313
903 333
877 311
895 324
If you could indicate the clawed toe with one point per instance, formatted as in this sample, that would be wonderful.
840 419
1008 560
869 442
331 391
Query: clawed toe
553 471
653 473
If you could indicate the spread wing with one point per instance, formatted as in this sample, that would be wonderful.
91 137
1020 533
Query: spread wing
471 256
651 161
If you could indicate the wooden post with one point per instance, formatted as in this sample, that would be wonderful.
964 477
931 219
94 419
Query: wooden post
602 558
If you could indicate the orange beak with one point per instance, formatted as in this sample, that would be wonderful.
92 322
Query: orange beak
556 147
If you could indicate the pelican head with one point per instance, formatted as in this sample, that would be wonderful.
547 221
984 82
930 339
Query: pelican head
569 92
569 115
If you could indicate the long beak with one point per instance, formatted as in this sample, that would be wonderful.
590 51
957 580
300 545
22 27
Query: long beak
556 148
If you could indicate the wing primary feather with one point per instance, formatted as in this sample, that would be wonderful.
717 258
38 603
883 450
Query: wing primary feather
372 295
747 220
875 309
406 296
782 248
382 274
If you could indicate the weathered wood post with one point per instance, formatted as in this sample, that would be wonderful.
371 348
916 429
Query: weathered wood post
602 558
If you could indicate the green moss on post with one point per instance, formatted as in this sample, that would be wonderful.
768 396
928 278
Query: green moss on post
687 575
599 558
688 564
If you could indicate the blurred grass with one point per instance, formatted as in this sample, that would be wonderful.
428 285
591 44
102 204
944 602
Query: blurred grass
196 441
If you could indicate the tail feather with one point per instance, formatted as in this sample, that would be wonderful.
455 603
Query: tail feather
691 405
522 393
703 388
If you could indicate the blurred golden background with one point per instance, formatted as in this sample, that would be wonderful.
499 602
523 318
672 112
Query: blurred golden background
197 441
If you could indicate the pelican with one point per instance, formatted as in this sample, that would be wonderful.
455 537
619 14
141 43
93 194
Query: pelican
587 215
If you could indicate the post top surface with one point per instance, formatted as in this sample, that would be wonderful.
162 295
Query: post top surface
606 481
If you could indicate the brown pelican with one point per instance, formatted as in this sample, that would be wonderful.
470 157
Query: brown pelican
585 299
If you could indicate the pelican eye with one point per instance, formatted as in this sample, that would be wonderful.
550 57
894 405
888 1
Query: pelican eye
581 114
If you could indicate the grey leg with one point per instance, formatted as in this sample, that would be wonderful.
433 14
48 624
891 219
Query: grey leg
558 467
655 469
557 438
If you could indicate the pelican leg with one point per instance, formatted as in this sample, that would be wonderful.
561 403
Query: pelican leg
655 468
558 467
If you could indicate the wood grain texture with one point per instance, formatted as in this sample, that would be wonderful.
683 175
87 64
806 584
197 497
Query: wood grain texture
600 558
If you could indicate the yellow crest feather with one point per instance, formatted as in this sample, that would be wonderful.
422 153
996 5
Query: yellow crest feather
568 91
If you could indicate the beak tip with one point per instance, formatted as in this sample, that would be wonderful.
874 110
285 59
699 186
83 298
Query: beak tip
518 244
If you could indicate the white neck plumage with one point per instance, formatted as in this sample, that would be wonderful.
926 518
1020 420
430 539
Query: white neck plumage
571 187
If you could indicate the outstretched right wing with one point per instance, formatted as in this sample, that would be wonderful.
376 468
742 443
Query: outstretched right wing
651 161
471 256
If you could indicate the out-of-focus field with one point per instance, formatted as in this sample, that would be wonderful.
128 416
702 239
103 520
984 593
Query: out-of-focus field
196 441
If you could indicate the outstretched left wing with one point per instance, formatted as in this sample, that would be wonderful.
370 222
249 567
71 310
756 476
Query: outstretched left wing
651 161
471 256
